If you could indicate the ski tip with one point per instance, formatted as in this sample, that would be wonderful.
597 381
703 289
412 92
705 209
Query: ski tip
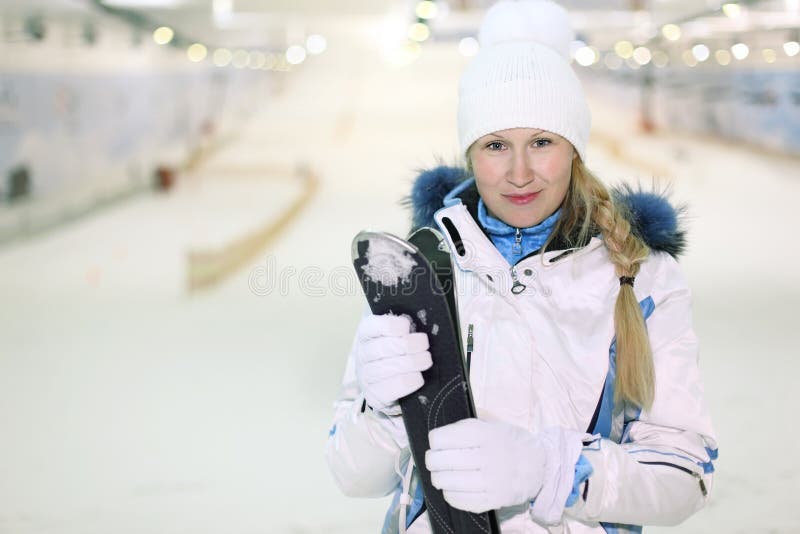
384 237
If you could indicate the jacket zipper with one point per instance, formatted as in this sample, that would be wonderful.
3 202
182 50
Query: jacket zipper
516 248
685 470
470 329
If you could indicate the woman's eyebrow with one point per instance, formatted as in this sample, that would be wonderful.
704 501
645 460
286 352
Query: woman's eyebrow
504 139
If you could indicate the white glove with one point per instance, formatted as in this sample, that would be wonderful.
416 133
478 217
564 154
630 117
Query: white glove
483 466
389 360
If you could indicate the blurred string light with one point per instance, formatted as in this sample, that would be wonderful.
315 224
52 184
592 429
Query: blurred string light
316 44
671 31
769 55
732 10
574 46
419 32
700 52
295 54
257 59
468 46
791 48
624 49
222 6
723 57
222 57
612 61
405 54
688 58
660 59
197 52
642 55
587 56
427 10
740 51
240 59
632 64
163 35
271 61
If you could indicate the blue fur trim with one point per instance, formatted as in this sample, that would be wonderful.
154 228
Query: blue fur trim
653 218
428 192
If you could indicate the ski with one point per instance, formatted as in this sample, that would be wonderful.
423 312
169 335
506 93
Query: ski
414 278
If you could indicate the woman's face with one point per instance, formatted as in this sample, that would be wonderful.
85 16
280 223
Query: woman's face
522 174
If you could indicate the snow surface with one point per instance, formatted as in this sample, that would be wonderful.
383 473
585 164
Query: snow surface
129 406
388 264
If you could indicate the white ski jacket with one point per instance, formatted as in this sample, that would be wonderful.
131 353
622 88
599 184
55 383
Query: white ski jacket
544 356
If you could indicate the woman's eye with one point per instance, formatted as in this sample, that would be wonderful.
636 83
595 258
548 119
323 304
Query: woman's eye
542 142
495 145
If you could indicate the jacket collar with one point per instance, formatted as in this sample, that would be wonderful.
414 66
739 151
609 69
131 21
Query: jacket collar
651 214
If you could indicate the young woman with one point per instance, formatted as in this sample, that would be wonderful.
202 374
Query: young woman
584 363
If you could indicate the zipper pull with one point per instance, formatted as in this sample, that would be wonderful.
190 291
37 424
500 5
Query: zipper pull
518 286
702 484
469 348
516 248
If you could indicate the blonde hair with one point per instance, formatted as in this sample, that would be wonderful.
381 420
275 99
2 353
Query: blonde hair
586 210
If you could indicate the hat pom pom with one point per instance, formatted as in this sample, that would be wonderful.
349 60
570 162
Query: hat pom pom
539 21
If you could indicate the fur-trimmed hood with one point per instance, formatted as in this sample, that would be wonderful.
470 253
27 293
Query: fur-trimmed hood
651 214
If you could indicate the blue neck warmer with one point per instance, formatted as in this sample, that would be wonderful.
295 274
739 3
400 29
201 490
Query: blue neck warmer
504 236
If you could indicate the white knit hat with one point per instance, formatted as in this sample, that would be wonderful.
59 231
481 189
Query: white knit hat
521 77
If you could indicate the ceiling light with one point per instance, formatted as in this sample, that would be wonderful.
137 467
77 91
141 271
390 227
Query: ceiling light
740 51
257 60
404 54
222 6
671 32
700 52
660 59
163 35
241 59
642 55
295 54
316 44
624 49
792 48
586 56
197 52
222 57
419 32
732 10
427 10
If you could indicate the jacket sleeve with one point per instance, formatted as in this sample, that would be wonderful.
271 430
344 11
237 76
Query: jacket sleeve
363 446
661 472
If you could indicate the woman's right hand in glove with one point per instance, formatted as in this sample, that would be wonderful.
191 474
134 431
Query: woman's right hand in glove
390 360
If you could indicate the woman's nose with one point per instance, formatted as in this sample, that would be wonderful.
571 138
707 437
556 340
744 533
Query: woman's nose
521 172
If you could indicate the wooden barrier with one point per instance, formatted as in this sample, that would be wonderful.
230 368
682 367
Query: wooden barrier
207 268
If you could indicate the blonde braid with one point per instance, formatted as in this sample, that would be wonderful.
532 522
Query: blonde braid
588 208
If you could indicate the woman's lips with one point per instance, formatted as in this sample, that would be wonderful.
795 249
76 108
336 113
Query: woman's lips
521 199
